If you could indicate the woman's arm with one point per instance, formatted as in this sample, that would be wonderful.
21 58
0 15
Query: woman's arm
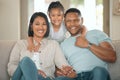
63 67
14 59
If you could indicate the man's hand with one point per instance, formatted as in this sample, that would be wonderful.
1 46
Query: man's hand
81 42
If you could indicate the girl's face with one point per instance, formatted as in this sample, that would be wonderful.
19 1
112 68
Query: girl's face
39 27
56 16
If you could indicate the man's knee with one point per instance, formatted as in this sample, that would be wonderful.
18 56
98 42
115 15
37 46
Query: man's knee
100 72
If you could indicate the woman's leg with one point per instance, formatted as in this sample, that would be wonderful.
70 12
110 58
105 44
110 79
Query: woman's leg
29 69
26 70
17 74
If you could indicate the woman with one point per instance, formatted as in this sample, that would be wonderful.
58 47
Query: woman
47 55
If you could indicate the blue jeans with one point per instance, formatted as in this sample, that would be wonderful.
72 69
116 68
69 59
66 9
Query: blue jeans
63 78
98 73
27 70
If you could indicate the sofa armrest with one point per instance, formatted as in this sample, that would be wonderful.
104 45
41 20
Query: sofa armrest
5 50
114 68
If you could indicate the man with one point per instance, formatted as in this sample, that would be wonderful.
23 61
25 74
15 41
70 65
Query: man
87 55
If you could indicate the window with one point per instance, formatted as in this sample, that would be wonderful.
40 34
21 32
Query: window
92 10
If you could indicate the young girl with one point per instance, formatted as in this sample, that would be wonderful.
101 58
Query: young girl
58 30
57 27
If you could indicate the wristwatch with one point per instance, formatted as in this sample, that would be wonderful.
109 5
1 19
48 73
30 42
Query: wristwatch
89 45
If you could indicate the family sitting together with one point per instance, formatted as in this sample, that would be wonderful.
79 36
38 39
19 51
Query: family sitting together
62 49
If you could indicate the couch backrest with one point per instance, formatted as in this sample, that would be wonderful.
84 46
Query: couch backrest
114 68
5 49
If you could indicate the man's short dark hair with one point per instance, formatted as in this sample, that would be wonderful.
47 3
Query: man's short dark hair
73 10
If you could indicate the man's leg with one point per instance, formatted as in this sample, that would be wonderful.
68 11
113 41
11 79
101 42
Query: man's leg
63 78
99 73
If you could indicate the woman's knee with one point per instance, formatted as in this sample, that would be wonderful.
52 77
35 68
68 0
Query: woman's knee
26 61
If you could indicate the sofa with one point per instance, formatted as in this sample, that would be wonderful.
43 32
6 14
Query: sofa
7 45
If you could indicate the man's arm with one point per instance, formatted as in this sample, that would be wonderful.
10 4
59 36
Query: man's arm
104 50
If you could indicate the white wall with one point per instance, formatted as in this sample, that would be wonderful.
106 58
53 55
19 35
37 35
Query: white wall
27 9
114 24
9 19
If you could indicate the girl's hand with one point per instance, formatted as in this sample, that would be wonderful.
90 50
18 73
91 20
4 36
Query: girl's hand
31 47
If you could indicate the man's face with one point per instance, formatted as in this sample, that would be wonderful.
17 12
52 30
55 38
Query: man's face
73 23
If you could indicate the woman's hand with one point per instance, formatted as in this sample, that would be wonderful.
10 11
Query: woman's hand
42 73
66 71
69 72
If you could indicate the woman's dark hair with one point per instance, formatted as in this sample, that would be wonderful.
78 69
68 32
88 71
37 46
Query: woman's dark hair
55 4
73 10
33 17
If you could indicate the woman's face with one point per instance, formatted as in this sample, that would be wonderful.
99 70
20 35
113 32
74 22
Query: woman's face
56 16
39 27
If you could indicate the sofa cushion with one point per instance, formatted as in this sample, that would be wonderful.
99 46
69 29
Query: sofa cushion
5 49
114 68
